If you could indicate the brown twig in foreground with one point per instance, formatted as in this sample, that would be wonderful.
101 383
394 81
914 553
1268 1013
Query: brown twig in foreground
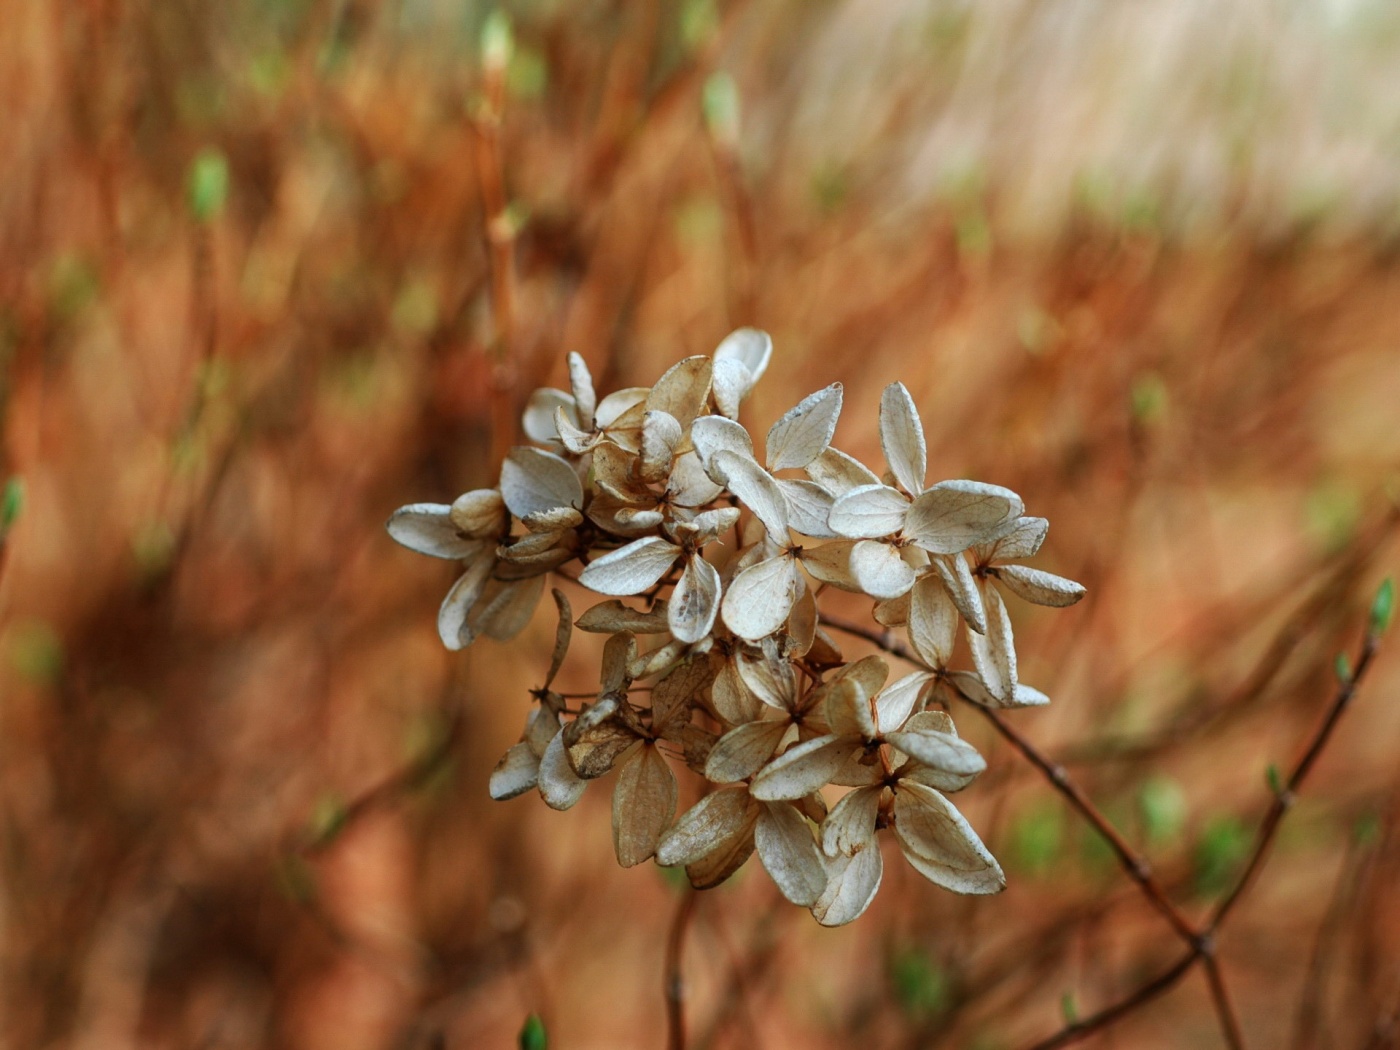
674 988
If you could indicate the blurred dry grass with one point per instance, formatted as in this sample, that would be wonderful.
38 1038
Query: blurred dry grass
1135 261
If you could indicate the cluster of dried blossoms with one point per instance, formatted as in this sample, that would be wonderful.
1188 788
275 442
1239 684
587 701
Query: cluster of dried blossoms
722 662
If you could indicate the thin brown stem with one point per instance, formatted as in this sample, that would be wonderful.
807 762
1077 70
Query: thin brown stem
674 987
1224 1006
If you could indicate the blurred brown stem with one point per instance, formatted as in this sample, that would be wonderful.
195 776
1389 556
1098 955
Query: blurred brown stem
674 989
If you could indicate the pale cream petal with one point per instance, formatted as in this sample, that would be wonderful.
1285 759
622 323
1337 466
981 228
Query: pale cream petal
838 473
940 844
612 472
1042 588
732 700
994 653
581 383
892 612
868 674
808 507
743 751
560 786
850 710
689 485
713 434
612 616
557 519
729 385
902 437
750 347
683 390
540 728
933 622
480 513
869 512
695 601
757 490
900 699
789 853
427 528
630 569
659 661
802 623
644 802
850 826
851 884
533 480
619 403
575 439
802 769
804 432
516 773
972 687
831 564
963 590
452 615
942 751
879 570
772 680
711 524
661 434
1023 541
538 420
708 827
955 515
760 598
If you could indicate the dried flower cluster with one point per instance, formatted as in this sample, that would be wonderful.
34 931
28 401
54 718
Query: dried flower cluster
722 662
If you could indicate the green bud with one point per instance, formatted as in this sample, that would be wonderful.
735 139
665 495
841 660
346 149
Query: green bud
1383 608
1272 778
533 1035
721 106
208 185
1342 665
11 503
1068 1009
497 40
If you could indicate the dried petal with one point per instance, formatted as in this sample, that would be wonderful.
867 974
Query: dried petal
673 698
581 382
941 845
994 653
617 404
1042 588
900 699
560 786
644 801
789 853
869 512
516 773
879 570
612 616
1021 542
750 347
730 698
902 437
973 688
773 681
689 485
757 490
682 391
630 569
851 884
509 611
538 419
760 598
838 473
533 480
619 653
709 826
963 590
955 515
805 431
744 750
803 768
808 507
480 513
850 711
942 751
933 622
831 564
596 739
850 826
695 601
661 433
713 434
452 616
428 529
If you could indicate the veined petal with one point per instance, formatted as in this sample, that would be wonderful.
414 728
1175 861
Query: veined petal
954 515
729 385
630 569
830 563
480 513
789 853
1042 588
900 699
963 590
452 615
744 750
850 710
708 827
1023 541
533 480
943 751
850 826
757 490
661 433
689 485
760 598
516 773
879 570
994 653
802 769
933 622
838 473
560 786
750 347
773 681
618 404
428 529
869 512
971 686
644 802
805 431
612 616
732 700
695 601
712 434
941 845
851 884
509 611
683 390
808 507
538 419
581 383
902 437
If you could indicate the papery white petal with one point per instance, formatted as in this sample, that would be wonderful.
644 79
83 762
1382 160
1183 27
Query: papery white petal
963 590
803 768
973 688
516 773
940 844
743 751
617 404
773 681
683 390
851 884
428 529
560 786
933 622
760 598
729 385
831 563
644 801
1042 588
757 490
954 515
838 473
898 700
538 419
850 826
731 698
879 571
711 524
533 480
707 826
850 710
661 433
789 853
750 347
942 751
902 437
689 485
557 519
581 382
869 512
575 439
695 601
452 615
808 507
630 569
994 653
1023 541
480 513
805 431
712 434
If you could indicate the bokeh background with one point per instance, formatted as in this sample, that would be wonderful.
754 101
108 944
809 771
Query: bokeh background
271 268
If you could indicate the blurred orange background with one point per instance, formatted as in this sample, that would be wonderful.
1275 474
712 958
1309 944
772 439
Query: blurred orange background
270 266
